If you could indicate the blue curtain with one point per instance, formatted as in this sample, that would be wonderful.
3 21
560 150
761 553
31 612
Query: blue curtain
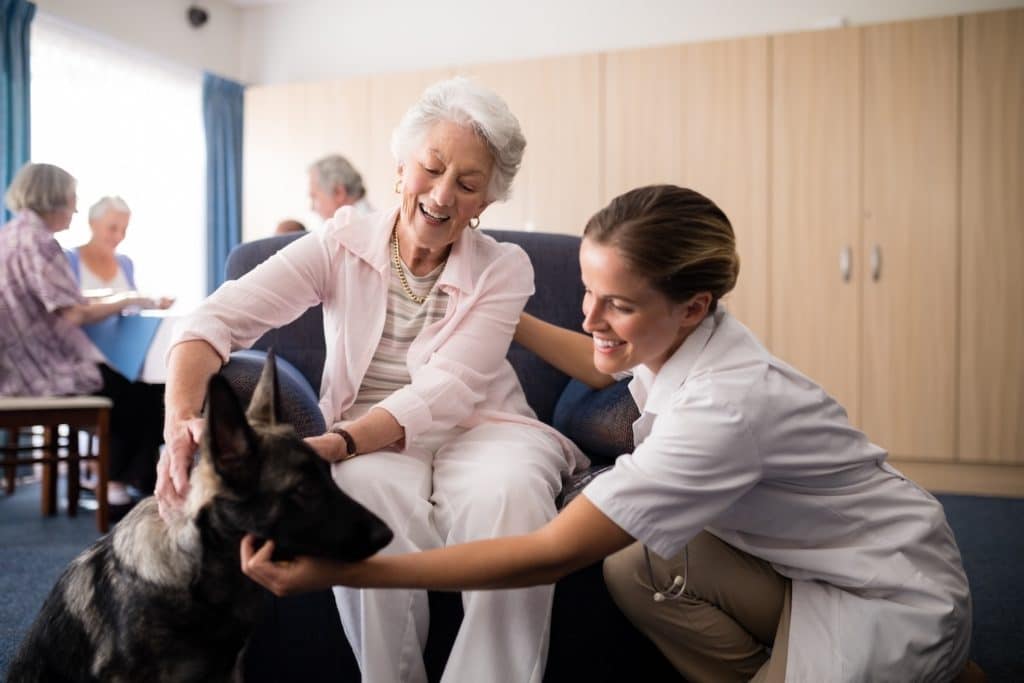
15 19
223 102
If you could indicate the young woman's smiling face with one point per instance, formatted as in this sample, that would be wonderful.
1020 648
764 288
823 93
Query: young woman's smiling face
631 322
444 185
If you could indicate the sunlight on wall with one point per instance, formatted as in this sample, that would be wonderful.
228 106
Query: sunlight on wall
128 124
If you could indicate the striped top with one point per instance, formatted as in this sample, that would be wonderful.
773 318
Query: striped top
405 320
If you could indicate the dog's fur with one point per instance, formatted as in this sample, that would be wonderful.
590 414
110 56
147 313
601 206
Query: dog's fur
153 601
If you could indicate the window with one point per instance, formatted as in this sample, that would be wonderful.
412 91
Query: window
126 124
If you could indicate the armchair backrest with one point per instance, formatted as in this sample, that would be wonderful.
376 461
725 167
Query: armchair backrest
301 341
558 297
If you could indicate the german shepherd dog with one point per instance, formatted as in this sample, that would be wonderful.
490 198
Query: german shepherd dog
156 601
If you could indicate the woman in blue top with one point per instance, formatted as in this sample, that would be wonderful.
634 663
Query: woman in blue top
101 271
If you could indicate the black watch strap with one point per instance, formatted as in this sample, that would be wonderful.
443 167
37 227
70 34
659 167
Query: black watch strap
350 443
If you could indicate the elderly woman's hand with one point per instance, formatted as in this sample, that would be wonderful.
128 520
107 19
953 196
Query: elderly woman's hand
329 446
301 575
172 471
162 303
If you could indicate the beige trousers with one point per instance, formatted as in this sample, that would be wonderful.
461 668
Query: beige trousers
735 607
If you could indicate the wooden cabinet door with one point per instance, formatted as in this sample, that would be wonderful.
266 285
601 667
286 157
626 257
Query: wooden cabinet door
558 104
911 295
992 225
816 156
697 116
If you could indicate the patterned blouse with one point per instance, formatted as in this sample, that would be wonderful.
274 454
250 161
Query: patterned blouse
40 353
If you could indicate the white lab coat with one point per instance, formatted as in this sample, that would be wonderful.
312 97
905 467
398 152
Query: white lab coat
733 440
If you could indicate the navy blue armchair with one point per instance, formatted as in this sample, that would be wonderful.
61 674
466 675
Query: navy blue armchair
301 637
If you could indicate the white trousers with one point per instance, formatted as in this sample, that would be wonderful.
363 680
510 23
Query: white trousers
496 479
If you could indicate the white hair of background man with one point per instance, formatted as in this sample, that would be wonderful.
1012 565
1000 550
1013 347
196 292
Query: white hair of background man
336 171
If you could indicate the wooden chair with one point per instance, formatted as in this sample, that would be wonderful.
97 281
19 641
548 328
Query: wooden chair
89 413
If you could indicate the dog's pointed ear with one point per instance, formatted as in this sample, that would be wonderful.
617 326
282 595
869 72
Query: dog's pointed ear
229 440
264 407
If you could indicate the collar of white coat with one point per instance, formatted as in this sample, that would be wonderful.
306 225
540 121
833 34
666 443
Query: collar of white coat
653 392
368 236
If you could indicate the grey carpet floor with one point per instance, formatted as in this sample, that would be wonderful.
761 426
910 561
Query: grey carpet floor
33 552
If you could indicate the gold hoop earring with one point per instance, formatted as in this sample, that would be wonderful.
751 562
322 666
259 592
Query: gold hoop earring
398 186
473 225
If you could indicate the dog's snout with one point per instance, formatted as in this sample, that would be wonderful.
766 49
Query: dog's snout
380 535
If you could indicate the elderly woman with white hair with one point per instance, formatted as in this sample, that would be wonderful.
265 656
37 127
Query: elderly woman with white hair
429 427
102 271
96 264
43 350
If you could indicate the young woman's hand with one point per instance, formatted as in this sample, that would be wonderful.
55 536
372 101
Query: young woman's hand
301 575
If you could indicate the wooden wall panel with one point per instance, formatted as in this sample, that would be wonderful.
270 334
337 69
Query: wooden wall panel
816 156
910 214
643 93
725 155
992 227
697 116
558 104
287 128
390 96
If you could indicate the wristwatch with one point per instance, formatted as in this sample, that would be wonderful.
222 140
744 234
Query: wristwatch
350 443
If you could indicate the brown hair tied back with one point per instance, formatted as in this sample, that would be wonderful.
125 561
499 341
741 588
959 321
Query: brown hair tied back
676 237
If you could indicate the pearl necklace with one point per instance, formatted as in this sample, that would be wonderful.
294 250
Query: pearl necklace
396 260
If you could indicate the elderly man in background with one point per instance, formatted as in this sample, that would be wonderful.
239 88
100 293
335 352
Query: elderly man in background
334 183
289 225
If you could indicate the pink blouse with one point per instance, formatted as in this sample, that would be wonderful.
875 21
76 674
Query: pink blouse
460 376
40 353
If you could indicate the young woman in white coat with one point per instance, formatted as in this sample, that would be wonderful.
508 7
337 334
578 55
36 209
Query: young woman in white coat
753 532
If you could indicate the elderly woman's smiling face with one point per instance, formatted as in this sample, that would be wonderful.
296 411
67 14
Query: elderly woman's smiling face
109 229
444 185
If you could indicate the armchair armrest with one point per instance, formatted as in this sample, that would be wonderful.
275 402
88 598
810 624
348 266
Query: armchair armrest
299 404
600 422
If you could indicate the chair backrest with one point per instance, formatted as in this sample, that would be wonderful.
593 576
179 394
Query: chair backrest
301 341
558 299
558 296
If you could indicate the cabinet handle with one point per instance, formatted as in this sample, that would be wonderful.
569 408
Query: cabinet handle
876 263
845 262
